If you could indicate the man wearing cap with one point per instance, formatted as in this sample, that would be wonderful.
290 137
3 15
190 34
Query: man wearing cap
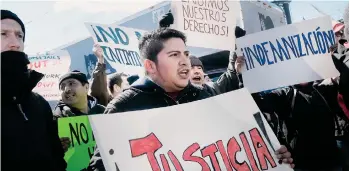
75 100
29 136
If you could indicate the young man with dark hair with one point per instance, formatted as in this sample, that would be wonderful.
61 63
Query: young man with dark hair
75 100
167 66
29 136
117 83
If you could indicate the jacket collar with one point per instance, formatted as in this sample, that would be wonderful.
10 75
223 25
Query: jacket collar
92 102
147 85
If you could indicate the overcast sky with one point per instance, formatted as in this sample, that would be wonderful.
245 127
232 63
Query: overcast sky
51 24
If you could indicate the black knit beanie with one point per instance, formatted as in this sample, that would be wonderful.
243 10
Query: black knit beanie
74 75
6 14
195 61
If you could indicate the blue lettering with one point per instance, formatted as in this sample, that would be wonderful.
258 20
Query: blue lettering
261 54
254 54
103 32
299 45
123 41
294 44
328 38
307 44
106 54
288 45
321 42
247 59
282 51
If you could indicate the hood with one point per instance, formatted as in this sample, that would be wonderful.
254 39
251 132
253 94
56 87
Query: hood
26 88
16 79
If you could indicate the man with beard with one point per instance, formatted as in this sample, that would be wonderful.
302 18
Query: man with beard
167 68
29 136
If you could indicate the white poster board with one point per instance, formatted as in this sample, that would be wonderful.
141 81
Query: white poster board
53 65
288 55
225 132
120 46
207 24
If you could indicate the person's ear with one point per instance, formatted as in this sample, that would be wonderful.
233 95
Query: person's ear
116 88
86 86
150 66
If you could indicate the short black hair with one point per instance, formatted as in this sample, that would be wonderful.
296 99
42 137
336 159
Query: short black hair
152 43
115 79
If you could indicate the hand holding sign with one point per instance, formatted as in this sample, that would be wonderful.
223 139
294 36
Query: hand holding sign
284 155
65 141
240 61
97 50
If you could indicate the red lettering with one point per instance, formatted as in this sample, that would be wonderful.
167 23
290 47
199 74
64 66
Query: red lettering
211 152
45 84
224 155
164 163
147 145
175 161
261 148
248 151
187 156
45 63
233 147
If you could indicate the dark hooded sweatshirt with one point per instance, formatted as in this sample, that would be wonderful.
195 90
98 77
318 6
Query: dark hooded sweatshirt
29 136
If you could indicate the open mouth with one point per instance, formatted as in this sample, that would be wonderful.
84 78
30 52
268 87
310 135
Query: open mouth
196 78
184 73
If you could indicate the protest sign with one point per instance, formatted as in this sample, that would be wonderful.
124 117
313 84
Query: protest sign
53 65
225 132
207 24
120 46
79 131
288 55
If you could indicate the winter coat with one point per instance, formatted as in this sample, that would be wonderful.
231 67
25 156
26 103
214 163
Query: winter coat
29 136
310 126
64 110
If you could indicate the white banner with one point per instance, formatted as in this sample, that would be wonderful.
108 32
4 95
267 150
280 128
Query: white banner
225 132
207 24
53 65
288 55
120 46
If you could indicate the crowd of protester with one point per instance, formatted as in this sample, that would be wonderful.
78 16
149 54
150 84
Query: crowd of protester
311 120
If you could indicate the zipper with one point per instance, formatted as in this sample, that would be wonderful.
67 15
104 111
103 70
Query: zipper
20 109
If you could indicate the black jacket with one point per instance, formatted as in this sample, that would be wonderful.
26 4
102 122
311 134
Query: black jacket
145 94
310 126
29 136
64 110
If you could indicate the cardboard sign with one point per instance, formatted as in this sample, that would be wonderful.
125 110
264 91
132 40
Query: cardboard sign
78 130
288 55
53 65
225 132
120 46
207 24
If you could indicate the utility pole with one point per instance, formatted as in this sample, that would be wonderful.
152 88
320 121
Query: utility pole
285 5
